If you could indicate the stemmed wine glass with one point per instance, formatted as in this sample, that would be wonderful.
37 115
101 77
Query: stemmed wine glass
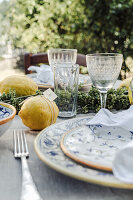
104 69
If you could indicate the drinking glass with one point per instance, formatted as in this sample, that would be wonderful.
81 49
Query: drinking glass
104 69
62 56
66 89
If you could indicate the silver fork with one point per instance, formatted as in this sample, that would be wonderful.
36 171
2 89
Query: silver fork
29 190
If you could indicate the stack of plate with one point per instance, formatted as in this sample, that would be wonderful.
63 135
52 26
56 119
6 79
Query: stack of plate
82 152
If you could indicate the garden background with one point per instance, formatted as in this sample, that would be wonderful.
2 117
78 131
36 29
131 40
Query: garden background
88 25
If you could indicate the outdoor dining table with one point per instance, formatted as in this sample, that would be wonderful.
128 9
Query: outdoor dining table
51 184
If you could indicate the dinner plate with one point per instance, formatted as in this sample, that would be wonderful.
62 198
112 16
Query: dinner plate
95 145
47 147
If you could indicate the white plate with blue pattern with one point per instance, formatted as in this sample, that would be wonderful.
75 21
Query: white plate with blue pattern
7 113
47 147
95 145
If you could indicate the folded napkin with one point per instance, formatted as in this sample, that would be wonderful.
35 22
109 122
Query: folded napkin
44 74
123 164
123 119
123 161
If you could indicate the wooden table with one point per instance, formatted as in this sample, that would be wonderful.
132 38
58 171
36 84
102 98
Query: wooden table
51 184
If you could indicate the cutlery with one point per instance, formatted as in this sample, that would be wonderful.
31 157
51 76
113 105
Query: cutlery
29 190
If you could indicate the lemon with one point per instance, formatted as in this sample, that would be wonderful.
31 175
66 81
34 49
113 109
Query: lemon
125 83
37 112
22 84
130 95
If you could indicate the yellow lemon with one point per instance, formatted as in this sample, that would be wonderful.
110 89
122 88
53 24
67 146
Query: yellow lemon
38 112
130 94
125 83
22 84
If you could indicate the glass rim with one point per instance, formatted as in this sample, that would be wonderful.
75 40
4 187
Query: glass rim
59 49
73 66
104 55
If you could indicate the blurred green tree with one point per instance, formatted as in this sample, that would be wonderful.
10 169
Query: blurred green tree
87 25
4 22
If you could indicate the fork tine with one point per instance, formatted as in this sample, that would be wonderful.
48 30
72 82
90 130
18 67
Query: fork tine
15 142
22 142
25 142
18 142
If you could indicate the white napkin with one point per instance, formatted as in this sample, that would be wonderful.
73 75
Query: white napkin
123 164
123 119
44 74
123 161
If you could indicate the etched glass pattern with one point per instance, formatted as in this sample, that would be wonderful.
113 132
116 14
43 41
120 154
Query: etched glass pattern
62 56
104 70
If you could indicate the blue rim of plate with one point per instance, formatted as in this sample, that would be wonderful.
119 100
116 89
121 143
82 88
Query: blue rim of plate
47 148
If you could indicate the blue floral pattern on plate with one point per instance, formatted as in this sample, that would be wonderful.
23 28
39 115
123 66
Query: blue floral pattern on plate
5 112
95 145
47 146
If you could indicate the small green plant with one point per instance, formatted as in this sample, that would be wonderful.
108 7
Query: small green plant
86 102
12 99
116 100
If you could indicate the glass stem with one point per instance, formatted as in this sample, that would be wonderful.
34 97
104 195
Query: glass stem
103 97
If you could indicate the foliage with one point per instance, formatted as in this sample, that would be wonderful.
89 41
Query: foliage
116 99
4 22
12 98
66 98
87 102
87 25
